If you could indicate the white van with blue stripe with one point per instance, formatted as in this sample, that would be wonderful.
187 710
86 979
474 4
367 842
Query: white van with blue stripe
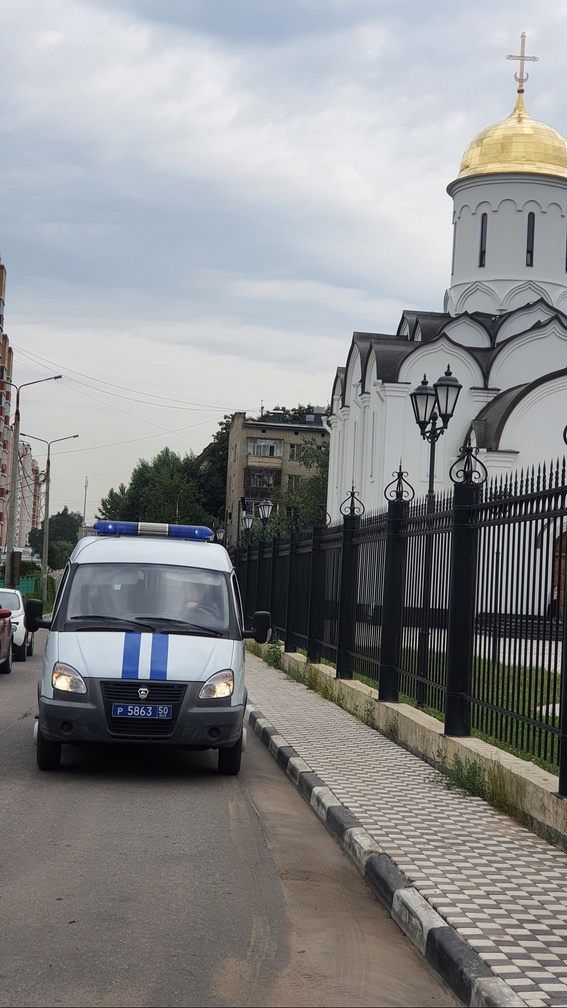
145 644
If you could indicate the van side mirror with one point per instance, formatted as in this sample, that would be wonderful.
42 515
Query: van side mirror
34 615
262 627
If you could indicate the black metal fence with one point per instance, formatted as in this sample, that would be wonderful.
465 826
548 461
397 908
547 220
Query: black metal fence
457 604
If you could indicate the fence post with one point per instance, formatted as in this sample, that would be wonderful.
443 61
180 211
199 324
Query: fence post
393 603
347 598
562 739
460 631
315 619
289 589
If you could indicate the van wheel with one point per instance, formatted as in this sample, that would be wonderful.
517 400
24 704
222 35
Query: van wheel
48 753
6 665
19 651
230 758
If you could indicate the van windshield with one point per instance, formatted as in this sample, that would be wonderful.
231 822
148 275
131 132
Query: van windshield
190 595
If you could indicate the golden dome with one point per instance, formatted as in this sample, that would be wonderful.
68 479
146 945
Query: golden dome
517 144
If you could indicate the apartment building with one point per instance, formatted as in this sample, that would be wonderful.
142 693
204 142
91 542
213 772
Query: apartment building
265 454
27 504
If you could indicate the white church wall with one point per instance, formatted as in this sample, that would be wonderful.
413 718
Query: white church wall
519 322
468 332
507 199
530 356
539 419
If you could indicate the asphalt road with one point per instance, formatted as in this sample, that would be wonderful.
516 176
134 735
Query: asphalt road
141 877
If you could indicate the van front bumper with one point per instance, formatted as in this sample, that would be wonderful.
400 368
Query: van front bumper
191 727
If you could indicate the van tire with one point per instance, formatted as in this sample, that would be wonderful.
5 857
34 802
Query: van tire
48 753
19 651
230 758
6 665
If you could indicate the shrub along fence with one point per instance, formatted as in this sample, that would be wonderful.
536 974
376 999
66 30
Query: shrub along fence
457 604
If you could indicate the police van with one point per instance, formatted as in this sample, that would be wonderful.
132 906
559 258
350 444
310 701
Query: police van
145 644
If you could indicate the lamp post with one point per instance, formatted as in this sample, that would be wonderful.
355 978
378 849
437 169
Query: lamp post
429 406
247 523
219 534
14 472
45 547
265 509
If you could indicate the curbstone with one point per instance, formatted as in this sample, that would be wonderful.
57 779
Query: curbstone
492 992
384 878
413 914
322 799
339 820
359 846
307 783
455 961
295 767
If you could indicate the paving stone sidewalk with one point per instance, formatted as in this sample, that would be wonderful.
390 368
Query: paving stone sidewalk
499 888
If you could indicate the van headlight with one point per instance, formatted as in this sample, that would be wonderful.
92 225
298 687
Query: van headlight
67 679
221 684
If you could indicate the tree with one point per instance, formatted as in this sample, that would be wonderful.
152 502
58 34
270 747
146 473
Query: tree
63 535
164 490
211 474
295 415
304 505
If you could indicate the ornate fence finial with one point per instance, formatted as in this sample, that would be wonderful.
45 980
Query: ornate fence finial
399 489
352 505
324 516
471 470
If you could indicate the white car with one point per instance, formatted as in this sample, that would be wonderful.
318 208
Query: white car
22 641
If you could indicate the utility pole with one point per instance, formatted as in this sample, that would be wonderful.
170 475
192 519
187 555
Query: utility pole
14 481
45 548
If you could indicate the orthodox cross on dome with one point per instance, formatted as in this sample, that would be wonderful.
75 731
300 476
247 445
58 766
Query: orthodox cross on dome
523 77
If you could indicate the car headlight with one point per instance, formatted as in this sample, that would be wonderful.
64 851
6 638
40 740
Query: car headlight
221 684
65 678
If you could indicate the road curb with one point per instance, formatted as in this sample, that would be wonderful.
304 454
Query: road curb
457 963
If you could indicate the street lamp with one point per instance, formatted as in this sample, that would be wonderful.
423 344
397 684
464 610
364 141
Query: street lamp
265 509
430 405
219 534
13 494
247 523
46 508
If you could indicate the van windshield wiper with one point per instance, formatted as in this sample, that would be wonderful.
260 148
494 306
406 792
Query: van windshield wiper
123 620
183 625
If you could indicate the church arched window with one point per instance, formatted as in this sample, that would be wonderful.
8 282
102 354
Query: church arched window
482 246
530 240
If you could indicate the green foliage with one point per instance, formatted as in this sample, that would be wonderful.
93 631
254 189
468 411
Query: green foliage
164 490
211 474
273 653
295 415
63 535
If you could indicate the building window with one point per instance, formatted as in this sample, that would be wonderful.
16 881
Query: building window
263 478
482 247
295 452
293 482
265 447
530 240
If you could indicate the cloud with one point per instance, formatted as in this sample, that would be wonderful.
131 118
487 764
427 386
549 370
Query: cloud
204 200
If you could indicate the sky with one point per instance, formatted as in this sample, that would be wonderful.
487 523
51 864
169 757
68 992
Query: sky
201 200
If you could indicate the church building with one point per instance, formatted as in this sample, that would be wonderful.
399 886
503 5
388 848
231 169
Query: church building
502 331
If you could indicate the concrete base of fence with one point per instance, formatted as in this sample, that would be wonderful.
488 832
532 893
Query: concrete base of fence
513 785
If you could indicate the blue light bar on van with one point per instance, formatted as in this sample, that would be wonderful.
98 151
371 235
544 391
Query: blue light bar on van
153 529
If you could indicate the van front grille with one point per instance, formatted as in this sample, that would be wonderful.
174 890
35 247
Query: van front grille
126 691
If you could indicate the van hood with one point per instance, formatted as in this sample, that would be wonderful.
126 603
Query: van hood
120 655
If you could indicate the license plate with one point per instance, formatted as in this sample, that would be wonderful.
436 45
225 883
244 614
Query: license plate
141 710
